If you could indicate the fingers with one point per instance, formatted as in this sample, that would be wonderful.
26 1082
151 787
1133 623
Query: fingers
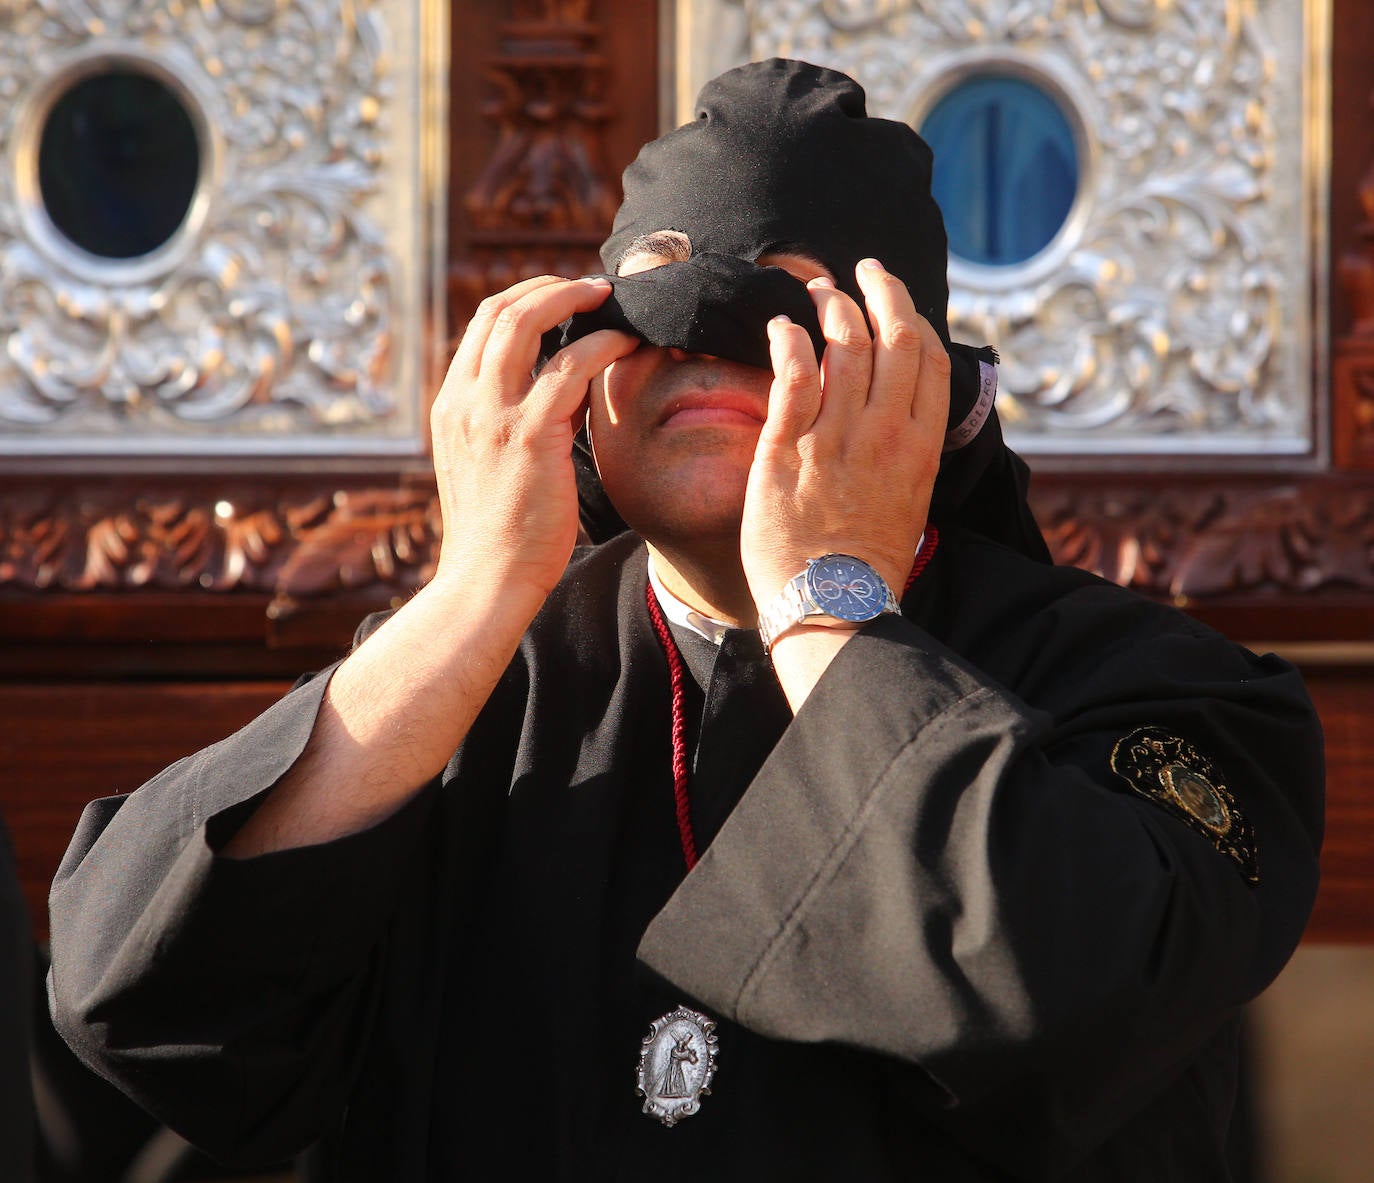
901 368
910 365
489 393
560 391
899 337
847 367
803 393
502 339
930 408
794 398
469 355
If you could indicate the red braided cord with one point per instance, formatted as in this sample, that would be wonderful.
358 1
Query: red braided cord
681 794
923 556
679 729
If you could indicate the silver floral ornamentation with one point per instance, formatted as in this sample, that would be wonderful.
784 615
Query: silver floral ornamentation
677 1062
287 314
1173 313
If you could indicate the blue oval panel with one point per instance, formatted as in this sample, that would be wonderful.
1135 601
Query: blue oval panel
1006 168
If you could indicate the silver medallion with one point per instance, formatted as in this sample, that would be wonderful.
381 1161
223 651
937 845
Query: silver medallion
677 1060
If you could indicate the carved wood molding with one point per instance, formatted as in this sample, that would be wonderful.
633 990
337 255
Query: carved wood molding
294 543
1357 265
546 173
1192 541
487 269
1297 543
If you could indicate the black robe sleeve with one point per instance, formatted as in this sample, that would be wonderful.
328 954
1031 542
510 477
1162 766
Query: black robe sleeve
932 868
225 996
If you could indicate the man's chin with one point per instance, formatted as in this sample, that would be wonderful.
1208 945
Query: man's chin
685 485
707 439
708 519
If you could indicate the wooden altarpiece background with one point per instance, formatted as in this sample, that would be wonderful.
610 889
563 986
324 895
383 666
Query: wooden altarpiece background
136 625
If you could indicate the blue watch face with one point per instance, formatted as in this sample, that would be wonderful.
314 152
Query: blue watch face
846 588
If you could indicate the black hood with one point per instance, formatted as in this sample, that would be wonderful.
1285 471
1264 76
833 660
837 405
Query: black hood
783 157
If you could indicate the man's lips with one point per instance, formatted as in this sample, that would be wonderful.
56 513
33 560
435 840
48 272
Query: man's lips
713 407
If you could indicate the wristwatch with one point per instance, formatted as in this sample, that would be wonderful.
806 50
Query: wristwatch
839 588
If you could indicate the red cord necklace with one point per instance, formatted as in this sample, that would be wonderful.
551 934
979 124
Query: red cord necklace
681 793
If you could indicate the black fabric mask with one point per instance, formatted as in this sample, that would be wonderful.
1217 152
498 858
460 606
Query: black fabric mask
710 303
782 158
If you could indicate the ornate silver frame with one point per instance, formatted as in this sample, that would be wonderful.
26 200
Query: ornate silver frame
170 67
1112 345
298 314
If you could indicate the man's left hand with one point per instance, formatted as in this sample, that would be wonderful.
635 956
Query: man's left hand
848 456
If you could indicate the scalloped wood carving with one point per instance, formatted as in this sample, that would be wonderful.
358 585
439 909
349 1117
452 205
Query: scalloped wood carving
1202 542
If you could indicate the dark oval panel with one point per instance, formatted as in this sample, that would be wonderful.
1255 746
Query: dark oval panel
118 163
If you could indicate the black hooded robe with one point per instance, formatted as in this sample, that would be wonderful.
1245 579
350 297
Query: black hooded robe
944 934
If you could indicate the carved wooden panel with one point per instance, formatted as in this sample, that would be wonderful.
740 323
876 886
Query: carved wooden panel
63 746
1194 540
557 103
547 171
292 542
1352 391
563 106
557 106
1352 385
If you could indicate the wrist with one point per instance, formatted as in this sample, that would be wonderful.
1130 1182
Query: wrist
802 655
474 599
495 577
832 591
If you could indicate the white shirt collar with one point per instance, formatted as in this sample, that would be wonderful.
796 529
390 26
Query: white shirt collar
681 615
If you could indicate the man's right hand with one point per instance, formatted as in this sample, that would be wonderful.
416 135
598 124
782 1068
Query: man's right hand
503 440
396 710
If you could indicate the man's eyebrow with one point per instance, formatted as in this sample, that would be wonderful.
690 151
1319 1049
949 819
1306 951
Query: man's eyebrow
670 245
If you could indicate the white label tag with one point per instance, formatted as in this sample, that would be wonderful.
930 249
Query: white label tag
963 434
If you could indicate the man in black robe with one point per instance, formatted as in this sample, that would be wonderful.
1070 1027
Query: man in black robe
561 871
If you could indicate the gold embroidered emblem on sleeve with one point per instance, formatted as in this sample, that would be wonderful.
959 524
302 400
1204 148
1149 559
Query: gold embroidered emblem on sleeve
1168 771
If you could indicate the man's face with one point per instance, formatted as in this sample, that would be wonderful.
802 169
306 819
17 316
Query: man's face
673 432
